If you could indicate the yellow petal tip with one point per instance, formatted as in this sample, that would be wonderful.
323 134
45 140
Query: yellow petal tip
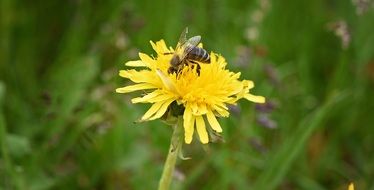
120 90
351 186
204 141
187 140
260 99
256 99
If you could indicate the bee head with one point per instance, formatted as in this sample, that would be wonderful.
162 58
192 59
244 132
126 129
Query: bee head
175 60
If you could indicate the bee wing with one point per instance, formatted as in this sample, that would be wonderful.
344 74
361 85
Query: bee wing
190 45
181 42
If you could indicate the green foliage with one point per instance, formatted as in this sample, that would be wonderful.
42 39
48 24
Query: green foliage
62 126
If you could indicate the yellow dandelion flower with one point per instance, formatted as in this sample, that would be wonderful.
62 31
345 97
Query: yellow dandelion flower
204 95
351 186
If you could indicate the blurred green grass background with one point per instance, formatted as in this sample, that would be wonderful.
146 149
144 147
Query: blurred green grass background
62 126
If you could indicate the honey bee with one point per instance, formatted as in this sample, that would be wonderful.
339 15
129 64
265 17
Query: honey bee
187 52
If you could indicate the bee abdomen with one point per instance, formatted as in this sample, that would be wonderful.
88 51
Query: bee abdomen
199 54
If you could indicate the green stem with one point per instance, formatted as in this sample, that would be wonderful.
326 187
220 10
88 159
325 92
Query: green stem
175 147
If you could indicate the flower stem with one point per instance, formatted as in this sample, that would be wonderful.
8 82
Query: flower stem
175 147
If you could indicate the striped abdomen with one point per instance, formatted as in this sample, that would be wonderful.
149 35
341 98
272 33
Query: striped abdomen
199 54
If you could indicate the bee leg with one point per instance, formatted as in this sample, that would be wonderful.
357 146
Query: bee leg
172 70
198 67
168 53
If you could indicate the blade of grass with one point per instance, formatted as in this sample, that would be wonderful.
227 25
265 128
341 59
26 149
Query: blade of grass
10 179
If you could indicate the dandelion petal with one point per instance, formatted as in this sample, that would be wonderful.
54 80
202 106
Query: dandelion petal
155 96
221 111
213 121
137 63
146 59
195 108
135 87
188 124
160 47
162 110
201 130
161 97
249 84
166 81
143 76
154 108
253 98
351 186
146 98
